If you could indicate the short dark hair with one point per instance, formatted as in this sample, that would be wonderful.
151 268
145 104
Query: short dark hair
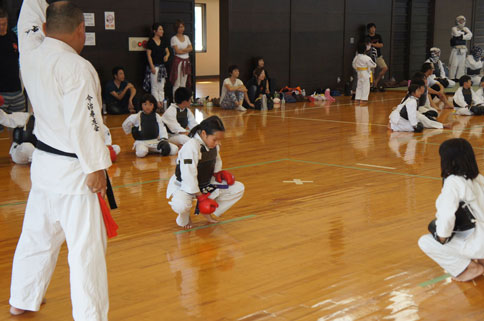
155 26
415 84
232 68
457 158
463 80
418 76
150 98
361 48
116 70
371 24
426 67
210 125
63 17
182 94
3 13
178 23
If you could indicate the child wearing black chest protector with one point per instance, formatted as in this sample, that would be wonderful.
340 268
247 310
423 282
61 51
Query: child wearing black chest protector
179 120
198 170
404 118
456 242
466 101
148 130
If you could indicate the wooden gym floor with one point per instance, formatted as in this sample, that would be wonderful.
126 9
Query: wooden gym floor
327 228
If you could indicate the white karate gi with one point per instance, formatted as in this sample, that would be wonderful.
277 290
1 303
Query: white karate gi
65 90
363 65
183 193
480 93
441 73
169 118
456 255
472 64
458 53
108 140
143 147
21 153
463 108
400 124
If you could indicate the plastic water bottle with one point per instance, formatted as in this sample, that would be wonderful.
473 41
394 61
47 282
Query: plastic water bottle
104 109
165 105
304 92
264 102
283 101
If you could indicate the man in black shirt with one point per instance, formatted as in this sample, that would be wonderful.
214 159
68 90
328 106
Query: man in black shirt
119 94
10 87
377 42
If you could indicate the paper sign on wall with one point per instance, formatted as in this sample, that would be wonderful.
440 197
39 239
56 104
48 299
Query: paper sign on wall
109 20
89 19
90 39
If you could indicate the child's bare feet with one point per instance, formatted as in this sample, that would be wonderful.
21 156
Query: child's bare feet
209 218
472 271
15 311
189 225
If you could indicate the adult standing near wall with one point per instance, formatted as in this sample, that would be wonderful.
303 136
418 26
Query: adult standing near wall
62 205
377 42
181 68
10 87
157 54
460 34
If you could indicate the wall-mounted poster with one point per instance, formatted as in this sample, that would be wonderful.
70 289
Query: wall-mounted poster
109 20
89 20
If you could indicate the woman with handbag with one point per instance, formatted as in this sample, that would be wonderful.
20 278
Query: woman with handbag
456 241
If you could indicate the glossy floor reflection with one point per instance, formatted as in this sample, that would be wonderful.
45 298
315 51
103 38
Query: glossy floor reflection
336 241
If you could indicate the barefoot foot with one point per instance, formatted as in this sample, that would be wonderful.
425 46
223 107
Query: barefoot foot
15 311
189 225
472 271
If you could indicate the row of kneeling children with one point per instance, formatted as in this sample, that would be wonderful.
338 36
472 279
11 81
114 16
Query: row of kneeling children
418 111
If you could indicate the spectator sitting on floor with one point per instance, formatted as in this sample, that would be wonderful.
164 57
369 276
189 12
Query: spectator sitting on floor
118 100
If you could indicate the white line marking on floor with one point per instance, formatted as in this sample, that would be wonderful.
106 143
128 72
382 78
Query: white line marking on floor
377 166
297 181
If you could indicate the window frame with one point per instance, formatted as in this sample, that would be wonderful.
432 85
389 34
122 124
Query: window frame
203 7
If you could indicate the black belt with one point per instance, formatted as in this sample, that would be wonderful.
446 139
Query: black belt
109 190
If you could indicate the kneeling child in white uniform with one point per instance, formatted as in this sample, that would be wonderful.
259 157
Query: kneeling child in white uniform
178 118
148 130
466 101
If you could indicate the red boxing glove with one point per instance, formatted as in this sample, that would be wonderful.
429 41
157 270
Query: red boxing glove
206 205
2 100
226 176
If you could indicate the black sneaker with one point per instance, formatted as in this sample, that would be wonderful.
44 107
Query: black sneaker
381 89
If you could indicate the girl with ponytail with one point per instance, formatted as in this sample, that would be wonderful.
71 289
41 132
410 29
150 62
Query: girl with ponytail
198 170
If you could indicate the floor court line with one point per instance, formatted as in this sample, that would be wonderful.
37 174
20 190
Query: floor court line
376 166
364 169
269 162
444 130
435 280
214 224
